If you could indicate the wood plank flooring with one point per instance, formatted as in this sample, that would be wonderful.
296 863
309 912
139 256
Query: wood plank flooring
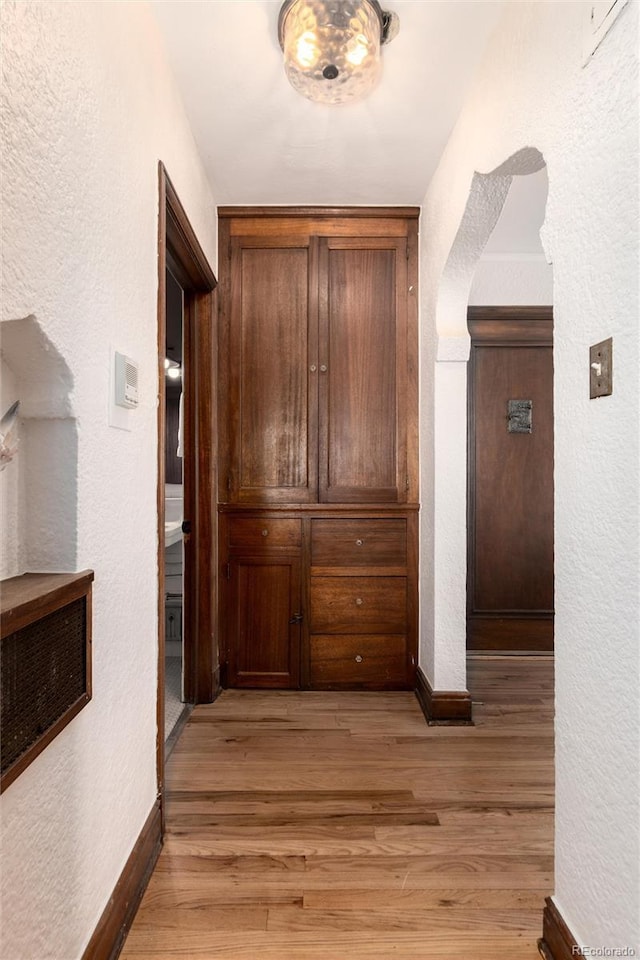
327 826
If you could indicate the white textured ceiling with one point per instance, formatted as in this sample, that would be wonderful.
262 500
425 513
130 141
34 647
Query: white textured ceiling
262 143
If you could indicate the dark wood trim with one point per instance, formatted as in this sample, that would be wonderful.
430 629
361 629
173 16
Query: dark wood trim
399 213
510 313
204 561
305 600
319 509
160 492
114 924
33 596
557 942
223 373
413 359
451 707
185 250
510 326
413 551
494 631
180 251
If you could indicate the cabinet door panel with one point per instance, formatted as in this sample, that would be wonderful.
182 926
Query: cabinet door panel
264 646
362 390
273 442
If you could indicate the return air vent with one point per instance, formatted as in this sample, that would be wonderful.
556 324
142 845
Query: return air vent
45 663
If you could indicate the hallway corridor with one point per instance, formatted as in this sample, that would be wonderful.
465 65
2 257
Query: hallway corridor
339 826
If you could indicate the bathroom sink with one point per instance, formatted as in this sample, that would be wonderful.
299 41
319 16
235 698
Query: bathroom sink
172 532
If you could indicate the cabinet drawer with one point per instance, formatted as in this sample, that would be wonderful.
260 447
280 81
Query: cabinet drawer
367 659
258 533
358 604
354 543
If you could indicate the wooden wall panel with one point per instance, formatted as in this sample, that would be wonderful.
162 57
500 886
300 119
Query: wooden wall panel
270 341
510 603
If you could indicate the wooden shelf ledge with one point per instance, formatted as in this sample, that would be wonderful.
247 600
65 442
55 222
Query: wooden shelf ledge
32 596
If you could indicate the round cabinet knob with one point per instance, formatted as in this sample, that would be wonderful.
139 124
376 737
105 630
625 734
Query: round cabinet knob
265 533
359 543
358 659
359 601
323 368
313 368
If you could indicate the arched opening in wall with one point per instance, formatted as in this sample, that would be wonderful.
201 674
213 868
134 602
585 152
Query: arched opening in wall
510 433
505 278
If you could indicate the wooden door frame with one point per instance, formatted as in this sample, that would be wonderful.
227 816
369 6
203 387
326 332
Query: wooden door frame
499 326
180 251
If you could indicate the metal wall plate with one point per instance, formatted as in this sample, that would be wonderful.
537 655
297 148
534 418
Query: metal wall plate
601 369
519 416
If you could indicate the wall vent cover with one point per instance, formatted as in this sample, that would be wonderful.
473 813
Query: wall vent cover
44 676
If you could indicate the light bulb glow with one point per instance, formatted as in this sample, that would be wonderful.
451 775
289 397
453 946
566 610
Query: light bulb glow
307 52
174 373
357 50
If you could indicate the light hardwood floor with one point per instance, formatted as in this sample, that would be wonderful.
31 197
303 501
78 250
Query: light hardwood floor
339 826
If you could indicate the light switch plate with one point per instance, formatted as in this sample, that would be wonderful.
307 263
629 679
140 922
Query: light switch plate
601 369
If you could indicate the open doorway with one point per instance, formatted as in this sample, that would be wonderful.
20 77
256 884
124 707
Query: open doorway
176 617
187 654
510 591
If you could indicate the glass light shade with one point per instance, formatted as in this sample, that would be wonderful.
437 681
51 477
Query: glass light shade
332 48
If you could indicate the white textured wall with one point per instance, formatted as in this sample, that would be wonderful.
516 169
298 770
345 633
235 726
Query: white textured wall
45 525
10 487
513 268
89 109
509 281
533 92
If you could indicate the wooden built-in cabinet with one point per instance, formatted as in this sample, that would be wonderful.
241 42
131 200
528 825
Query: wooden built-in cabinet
318 423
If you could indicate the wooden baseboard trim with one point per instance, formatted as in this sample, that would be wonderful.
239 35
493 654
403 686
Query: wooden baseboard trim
557 942
452 707
112 929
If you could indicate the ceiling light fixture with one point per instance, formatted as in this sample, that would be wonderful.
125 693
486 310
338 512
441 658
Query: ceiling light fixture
332 48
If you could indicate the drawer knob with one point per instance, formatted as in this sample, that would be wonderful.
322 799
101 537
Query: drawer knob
359 601
358 659
265 533
359 543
